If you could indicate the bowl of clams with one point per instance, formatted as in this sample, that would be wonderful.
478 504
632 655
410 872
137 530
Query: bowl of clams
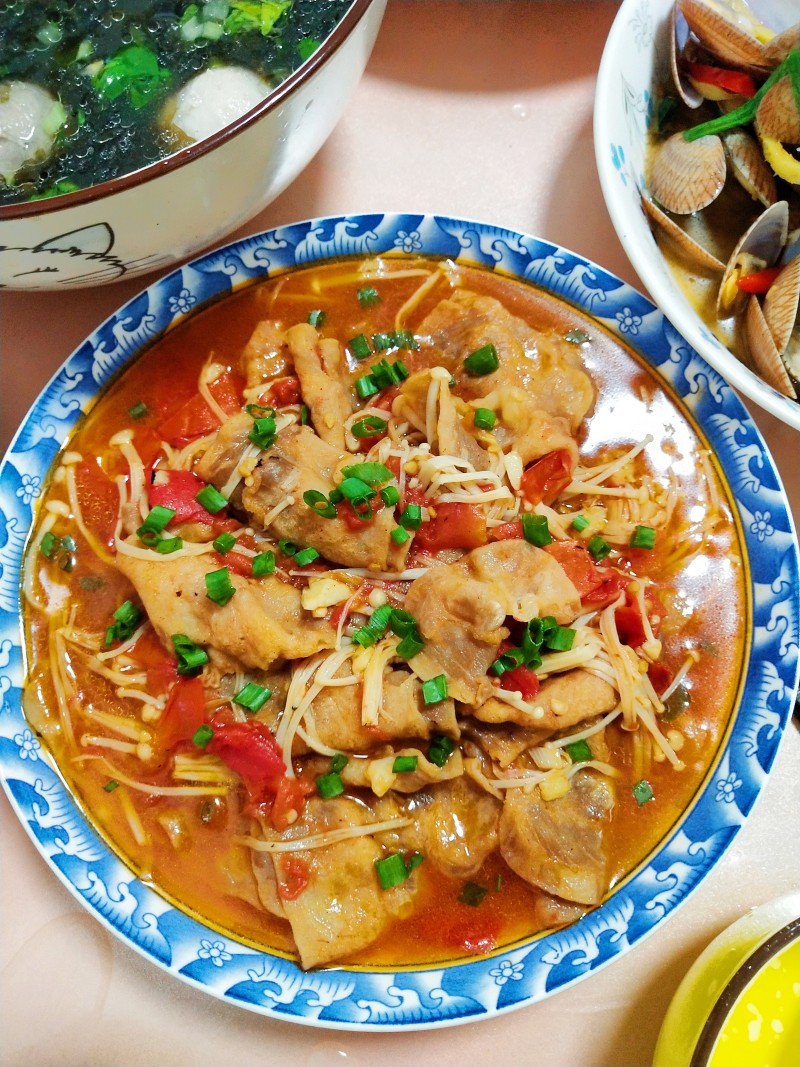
697 139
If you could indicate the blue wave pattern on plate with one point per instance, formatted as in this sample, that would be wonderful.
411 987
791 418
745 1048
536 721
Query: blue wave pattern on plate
437 996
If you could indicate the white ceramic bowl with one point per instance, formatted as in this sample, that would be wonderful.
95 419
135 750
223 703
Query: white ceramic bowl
635 59
171 209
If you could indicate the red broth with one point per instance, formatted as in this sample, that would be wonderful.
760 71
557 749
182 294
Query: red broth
187 846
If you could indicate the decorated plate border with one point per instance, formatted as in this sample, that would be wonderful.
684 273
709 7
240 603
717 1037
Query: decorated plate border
381 999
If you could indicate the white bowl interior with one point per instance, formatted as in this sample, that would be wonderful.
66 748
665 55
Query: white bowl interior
635 59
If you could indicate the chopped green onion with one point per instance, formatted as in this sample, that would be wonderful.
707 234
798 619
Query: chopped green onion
306 556
509 661
393 870
402 622
138 411
330 785
401 370
482 361
316 317
48 544
485 419
260 411
372 631
577 337
338 762
675 704
579 523
394 339
384 375
414 861
264 432
390 495
643 537
287 547
263 564
191 658
211 499
111 785
304 415
359 346
411 517
434 691
368 297
405 339
224 543
354 489
168 544
579 751
472 894
202 735
404 764
126 618
253 696
382 341
440 750
366 386
560 638
318 502
535 530
410 645
369 426
219 586
371 473
399 535
642 792
157 520
598 547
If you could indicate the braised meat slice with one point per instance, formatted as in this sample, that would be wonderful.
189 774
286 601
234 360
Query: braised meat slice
331 895
461 610
563 700
320 366
263 622
559 845
455 826
540 390
297 462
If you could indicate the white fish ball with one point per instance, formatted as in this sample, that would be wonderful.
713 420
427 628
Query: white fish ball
30 117
213 99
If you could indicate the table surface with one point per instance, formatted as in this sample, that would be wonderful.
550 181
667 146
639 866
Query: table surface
481 109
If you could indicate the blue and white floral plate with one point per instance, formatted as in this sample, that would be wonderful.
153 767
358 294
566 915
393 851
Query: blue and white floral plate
381 999
636 60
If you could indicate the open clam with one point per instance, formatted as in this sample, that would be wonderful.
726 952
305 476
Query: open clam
759 247
747 126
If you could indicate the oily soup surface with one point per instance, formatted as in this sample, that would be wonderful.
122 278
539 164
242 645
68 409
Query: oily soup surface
190 832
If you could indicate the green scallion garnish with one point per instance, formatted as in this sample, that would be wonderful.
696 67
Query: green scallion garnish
440 750
202 735
410 517
485 419
211 499
191 658
642 792
482 361
224 543
111 785
579 523
535 530
138 411
369 426
373 474
306 556
579 751
126 618
219 587
263 564
434 690
156 521
404 764
368 296
390 496
472 894
316 317
366 386
598 547
319 503
252 696
643 537
393 870
287 547
399 535
359 347
329 785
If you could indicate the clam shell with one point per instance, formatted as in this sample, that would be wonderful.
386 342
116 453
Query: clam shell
721 31
679 39
776 50
689 248
778 115
781 304
749 166
686 176
765 356
760 246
